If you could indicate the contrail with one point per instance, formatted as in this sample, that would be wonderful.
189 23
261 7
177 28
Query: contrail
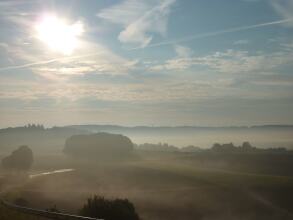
211 34
184 39
46 62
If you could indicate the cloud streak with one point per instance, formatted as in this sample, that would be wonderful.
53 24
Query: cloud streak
229 61
47 62
216 33
90 61
285 9
140 19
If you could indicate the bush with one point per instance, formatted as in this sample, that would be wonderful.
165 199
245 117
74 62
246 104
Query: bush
100 145
20 159
99 207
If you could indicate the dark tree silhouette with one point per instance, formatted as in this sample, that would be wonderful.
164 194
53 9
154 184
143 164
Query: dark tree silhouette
99 207
20 159
98 145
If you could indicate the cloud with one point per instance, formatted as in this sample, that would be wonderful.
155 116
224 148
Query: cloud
288 46
216 33
27 52
140 19
182 51
13 12
154 92
241 42
9 3
229 61
43 62
251 1
285 9
91 58
4 46
273 79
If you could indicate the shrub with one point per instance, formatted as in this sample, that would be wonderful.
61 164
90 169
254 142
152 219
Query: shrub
100 145
20 159
99 207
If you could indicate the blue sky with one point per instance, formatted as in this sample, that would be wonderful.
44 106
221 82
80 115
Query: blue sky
148 62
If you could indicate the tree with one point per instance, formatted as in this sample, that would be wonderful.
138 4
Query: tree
216 147
99 207
100 145
224 148
20 159
247 147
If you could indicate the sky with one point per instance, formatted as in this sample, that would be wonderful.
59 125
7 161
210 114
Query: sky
146 62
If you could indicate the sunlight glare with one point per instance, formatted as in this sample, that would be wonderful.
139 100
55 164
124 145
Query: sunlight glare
58 34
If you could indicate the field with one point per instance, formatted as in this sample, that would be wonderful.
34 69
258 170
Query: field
161 187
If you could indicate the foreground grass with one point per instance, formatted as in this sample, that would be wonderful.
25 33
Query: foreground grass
273 192
164 189
9 214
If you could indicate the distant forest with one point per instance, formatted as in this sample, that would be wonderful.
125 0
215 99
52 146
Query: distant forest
246 147
45 140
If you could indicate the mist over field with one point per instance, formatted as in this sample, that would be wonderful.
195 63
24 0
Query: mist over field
61 168
146 110
51 140
261 136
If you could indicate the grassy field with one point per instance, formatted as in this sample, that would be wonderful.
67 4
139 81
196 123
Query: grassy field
8 214
161 188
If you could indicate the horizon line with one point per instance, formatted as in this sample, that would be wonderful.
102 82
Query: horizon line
156 126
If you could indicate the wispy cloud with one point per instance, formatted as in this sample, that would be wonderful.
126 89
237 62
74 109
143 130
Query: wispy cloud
138 92
241 42
91 58
216 33
140 19
229 61
40 63
285 9
94 58
182 51
251 1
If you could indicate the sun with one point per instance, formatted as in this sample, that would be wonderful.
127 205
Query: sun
58 34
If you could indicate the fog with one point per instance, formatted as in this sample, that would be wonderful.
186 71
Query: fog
206 139
146 109
206 181
51 140
161 189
